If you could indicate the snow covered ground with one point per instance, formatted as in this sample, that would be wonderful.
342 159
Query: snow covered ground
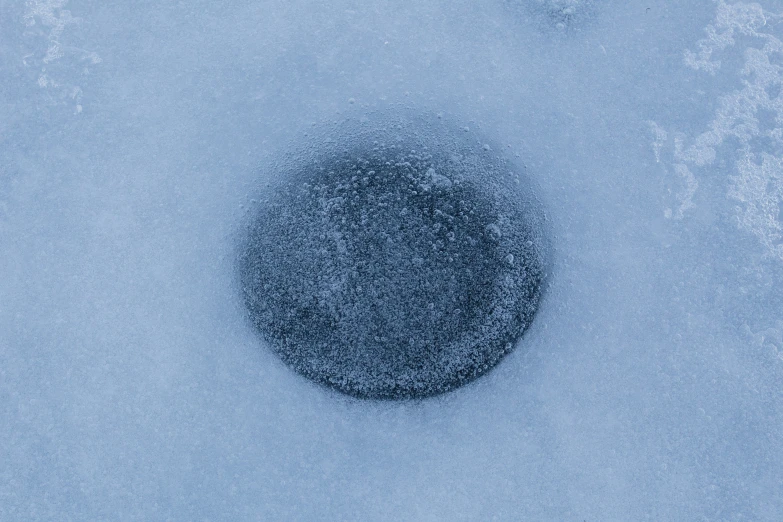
133 136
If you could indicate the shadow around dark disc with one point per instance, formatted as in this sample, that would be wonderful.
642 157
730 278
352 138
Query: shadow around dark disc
395 258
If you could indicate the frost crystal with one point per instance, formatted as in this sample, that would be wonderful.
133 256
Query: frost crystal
750 119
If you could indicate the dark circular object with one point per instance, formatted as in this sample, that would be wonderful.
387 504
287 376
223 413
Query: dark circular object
394 257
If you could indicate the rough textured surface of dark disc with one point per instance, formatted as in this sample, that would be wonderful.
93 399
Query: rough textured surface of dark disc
400 260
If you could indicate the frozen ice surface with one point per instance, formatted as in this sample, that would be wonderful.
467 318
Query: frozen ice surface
561 15
131 387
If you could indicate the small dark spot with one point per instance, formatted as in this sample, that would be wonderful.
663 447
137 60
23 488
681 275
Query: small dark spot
561 15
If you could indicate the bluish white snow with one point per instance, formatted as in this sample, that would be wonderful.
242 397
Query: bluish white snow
134 134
